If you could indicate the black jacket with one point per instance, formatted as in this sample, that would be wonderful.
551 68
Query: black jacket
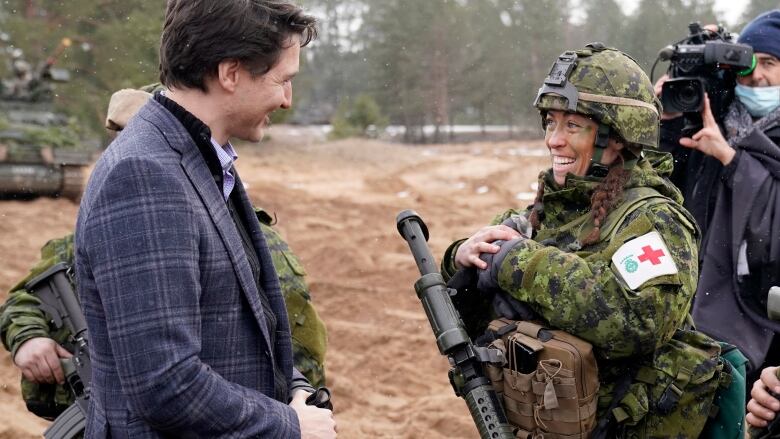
735 205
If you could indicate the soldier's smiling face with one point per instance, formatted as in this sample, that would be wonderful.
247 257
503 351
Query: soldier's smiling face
570 138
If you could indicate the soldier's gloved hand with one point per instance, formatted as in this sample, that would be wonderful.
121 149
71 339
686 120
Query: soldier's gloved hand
487 279
519 223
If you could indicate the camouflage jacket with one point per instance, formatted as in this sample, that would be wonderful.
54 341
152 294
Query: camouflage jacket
640 331
21 318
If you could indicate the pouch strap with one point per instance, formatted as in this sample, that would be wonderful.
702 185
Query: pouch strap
671 396
605 427
529 328
489 355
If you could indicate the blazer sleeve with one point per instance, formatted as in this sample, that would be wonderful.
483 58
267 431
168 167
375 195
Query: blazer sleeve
140 241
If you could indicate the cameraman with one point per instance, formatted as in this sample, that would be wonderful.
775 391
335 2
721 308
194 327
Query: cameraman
729 175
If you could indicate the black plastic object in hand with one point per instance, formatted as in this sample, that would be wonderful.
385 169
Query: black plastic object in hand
320 398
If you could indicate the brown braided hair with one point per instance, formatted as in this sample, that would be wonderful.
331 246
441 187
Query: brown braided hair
605 197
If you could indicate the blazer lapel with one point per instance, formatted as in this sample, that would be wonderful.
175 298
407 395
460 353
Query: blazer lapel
270 279
271 284
197 171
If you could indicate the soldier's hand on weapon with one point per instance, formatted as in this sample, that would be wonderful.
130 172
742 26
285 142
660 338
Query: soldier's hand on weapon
709 140
658 87
763 406
39 360
482 242
316 423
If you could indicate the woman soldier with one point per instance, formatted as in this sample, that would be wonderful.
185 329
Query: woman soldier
610 255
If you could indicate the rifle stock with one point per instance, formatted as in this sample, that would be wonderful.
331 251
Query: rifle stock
467 374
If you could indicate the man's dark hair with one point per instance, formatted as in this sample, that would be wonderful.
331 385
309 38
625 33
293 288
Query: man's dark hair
199 34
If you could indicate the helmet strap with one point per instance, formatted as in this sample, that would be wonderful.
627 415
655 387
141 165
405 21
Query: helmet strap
596 168
630 158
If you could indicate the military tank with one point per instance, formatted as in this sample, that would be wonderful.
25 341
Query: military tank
42 152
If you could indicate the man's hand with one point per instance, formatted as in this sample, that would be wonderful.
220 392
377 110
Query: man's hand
482 242
316 423
39 360
658 87
709 139
762 407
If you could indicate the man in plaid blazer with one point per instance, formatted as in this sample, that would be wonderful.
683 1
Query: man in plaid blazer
188 330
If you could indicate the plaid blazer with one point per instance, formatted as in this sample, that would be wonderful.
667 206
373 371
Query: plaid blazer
178 339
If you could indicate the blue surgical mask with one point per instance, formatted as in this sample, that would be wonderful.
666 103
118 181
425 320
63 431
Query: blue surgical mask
759 101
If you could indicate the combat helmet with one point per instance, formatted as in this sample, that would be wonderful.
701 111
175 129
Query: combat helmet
610 87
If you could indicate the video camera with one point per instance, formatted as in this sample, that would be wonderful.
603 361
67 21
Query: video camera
705 61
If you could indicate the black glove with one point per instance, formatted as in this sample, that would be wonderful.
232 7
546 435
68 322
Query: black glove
487 279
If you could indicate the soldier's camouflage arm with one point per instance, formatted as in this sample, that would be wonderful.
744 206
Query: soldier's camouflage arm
21 320
448 268
20 317
581 294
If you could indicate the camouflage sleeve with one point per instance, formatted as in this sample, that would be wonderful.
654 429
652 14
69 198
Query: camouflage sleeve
21 320
20 316
448 267
582 293
500 218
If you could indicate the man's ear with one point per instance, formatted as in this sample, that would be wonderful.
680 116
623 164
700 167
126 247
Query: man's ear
228 73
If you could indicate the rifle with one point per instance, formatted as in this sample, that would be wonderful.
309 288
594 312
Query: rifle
467 374
61 305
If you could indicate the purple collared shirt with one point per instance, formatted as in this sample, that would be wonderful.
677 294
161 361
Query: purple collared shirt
226 155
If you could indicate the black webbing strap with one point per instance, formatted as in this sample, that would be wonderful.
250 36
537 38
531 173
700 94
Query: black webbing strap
606 425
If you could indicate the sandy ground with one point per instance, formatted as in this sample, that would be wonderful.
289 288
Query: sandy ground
336 204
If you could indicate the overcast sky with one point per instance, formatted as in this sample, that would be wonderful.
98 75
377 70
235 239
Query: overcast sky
728 10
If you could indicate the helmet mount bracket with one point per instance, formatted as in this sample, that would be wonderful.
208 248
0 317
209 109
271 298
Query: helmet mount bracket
557 81
597 168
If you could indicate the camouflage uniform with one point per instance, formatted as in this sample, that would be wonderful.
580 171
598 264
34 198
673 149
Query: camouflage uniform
21 319
641 331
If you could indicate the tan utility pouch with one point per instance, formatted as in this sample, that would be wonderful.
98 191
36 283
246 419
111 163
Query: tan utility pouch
549 383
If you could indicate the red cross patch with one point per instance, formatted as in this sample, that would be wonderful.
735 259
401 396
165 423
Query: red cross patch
643 258
654 256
